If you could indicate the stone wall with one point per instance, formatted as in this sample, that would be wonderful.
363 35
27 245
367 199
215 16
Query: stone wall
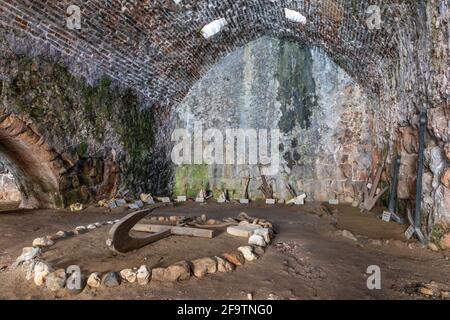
66 141
322 114
156 47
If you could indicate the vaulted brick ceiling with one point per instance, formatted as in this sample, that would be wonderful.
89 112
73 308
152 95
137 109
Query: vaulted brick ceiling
156 45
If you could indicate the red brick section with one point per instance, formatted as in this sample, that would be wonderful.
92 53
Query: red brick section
156 45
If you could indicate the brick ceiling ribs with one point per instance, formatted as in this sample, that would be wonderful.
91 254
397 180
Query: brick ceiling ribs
157 47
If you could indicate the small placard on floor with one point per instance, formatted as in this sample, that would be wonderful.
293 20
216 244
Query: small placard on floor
333 201
270 201
244 201
386 216
409 232
181 198
165 199
299 202
200 200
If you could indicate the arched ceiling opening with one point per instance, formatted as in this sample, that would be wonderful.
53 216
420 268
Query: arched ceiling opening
157 46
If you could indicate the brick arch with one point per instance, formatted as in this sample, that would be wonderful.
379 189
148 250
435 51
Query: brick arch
156 46
35 166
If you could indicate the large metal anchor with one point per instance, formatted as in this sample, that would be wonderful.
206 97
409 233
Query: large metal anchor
121 241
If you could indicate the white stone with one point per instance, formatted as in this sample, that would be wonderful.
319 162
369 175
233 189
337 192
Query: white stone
28 253
98 224
129 275
247 251
91 227
257 240
265 233
28 267
213 27
94 280
41 270
143 275
244 201
294 16
244 231
181 199
347 234
42 242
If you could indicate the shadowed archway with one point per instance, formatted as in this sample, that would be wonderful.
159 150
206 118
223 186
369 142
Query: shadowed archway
34 165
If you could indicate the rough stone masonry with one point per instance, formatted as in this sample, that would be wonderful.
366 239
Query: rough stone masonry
153 51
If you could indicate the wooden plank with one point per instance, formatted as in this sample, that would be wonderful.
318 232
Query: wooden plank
178 231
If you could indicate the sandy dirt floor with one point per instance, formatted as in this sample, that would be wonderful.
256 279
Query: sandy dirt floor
308 259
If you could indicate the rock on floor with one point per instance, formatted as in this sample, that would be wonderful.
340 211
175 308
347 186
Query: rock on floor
94 280
143 276
177 272
265 233
41 271
56 280
42 242
247 251
204 266
111 280
224 266
235 258
128 275
28 253
257 240
62 234
28 268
